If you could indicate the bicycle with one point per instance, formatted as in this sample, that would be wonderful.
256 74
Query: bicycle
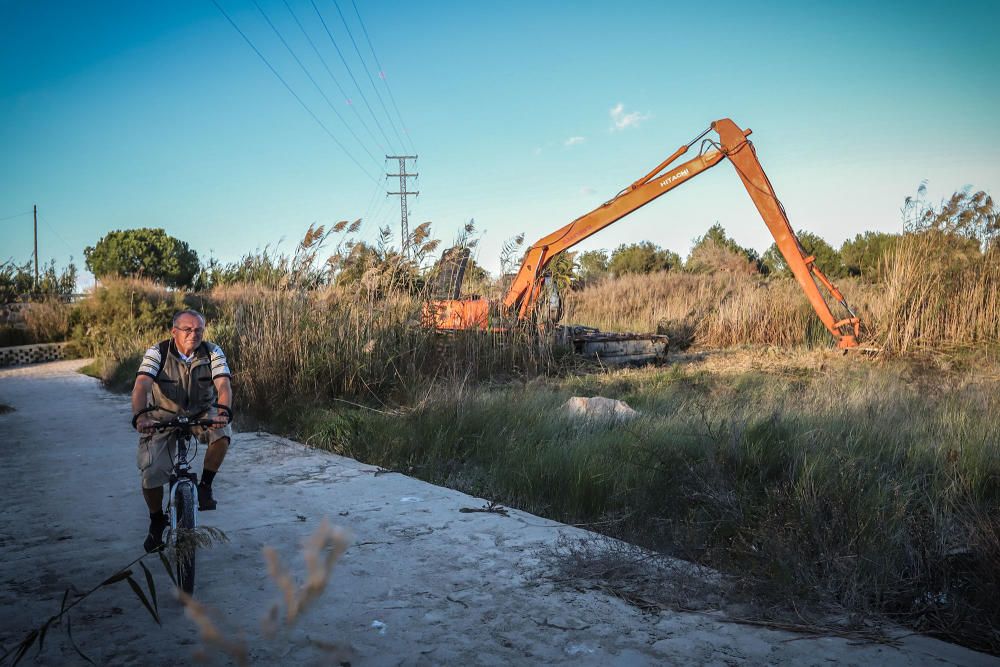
182 499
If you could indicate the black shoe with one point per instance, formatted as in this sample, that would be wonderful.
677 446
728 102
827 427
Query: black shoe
154 538
205 500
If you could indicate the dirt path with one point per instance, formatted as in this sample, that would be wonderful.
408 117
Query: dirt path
422 583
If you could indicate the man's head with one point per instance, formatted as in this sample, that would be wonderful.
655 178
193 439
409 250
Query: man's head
187 330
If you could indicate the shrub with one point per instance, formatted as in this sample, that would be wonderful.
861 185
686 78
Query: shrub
864 255
710 256
48 321
644 257
124 316
827 258
705 255
18 280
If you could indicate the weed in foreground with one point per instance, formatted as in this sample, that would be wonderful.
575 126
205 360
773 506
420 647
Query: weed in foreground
321 552
147 598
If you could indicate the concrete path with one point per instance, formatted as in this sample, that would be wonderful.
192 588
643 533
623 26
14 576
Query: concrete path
422 583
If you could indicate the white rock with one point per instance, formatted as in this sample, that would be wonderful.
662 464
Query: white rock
599 408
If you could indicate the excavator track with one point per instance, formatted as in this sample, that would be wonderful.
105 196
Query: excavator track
615 349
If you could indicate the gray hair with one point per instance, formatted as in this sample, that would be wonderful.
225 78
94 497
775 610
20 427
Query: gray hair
187 311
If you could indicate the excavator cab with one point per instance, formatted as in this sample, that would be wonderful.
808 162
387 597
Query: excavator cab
550 309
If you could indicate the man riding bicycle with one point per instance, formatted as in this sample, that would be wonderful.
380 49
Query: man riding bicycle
183 375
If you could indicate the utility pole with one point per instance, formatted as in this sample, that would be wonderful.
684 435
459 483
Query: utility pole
35 209
403 194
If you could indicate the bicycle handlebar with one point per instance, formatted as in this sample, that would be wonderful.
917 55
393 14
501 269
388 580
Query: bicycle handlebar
183 421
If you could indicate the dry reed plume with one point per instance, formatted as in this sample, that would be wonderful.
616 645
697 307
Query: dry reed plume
321 552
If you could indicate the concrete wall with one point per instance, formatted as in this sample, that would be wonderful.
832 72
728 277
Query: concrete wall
32 354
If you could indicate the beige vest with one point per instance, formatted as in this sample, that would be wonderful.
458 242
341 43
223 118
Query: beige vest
185 388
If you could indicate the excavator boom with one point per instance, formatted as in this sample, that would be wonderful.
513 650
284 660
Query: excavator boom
734 145
523 291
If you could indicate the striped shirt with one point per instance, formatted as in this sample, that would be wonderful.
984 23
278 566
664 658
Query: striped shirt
152 362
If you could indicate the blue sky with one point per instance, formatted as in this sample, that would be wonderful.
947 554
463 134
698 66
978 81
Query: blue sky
119 114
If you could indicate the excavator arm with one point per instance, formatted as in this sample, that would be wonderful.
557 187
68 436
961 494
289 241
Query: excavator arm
734 145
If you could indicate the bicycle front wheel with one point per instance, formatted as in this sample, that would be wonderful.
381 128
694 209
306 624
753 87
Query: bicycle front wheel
185 543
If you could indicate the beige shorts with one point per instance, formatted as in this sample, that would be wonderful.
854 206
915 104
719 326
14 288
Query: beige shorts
155 457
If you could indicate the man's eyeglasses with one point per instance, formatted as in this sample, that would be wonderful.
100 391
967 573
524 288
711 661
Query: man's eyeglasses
187 330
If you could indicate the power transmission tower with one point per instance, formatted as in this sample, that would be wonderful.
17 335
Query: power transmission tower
403 194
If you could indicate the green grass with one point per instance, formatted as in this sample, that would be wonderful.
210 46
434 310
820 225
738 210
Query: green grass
871 485
117 376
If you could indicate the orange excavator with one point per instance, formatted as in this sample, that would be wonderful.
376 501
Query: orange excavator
524 296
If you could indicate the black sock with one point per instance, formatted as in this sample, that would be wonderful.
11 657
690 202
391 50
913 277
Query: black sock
207 476
157 516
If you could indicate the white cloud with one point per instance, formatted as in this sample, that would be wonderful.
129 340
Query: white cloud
572 141
624 120
538 151
587 190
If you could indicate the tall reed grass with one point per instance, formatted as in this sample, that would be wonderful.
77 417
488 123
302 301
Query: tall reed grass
928 300
934 302
714 310
352 342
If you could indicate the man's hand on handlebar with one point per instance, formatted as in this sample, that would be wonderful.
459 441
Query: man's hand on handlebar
142 421
145 424
223 416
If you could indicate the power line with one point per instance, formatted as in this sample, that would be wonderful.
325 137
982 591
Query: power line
381 74
336 81
57 234
368 74
16 215
294 94
371 204
350 73
380 208
310 77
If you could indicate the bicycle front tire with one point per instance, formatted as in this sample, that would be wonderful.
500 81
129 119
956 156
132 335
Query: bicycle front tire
185 543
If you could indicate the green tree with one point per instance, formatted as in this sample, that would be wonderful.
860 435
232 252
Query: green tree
143 253
715 251
644 257
592 265
863 255
827 258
